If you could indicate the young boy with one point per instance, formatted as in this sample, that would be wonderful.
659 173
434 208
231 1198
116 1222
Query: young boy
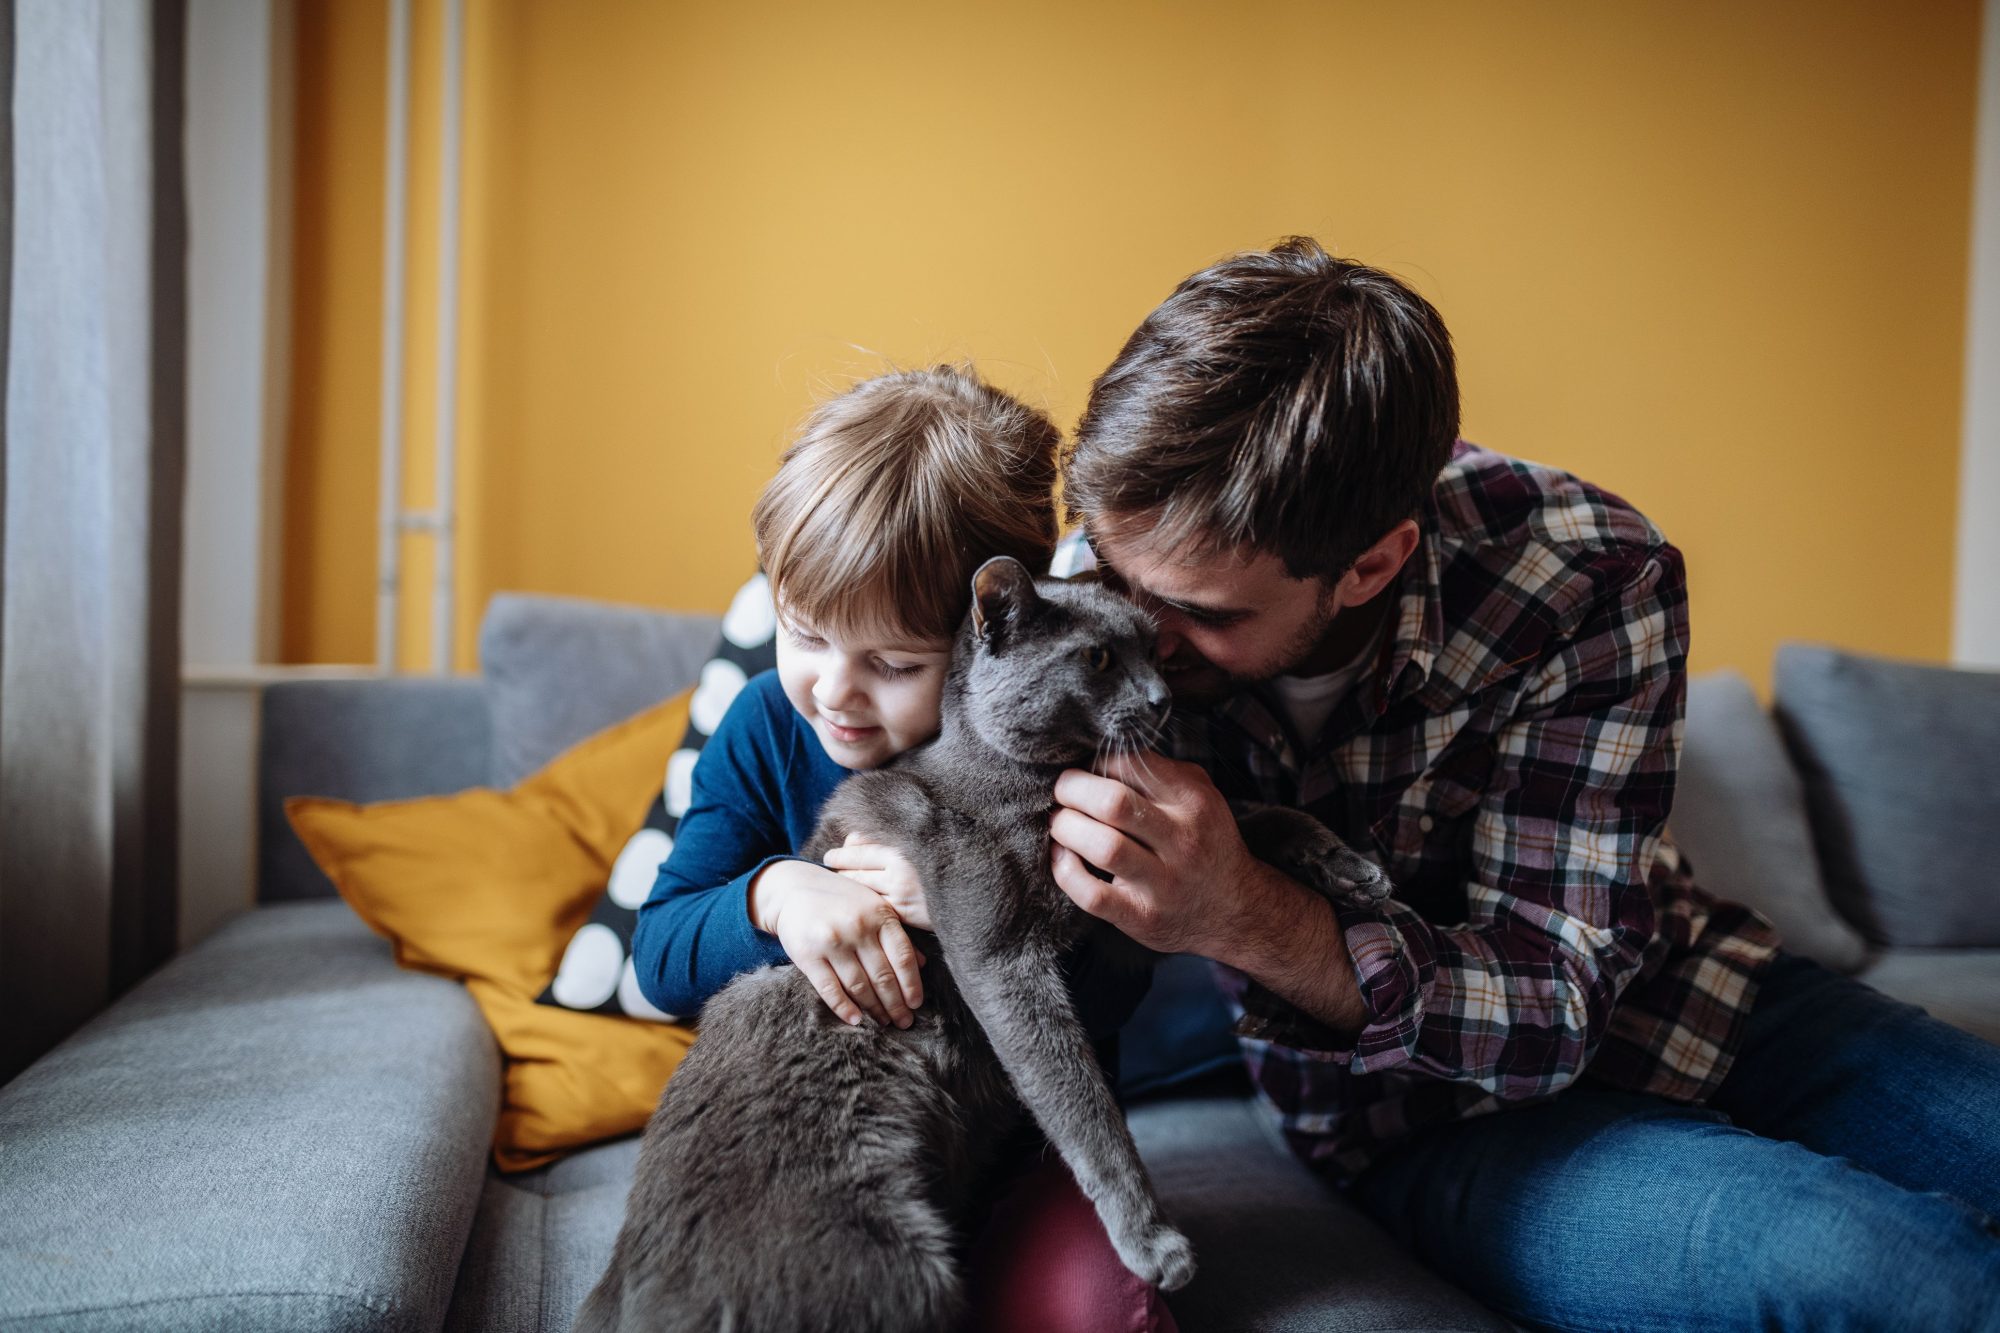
893 495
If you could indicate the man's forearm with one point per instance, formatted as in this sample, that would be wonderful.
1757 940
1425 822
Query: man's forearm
1288 940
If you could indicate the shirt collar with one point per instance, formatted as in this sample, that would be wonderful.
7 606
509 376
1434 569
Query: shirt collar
1407 653
1418 638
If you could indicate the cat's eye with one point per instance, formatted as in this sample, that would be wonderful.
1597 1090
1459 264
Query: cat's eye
1098 657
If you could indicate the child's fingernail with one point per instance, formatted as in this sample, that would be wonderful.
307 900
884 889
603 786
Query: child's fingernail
854 1020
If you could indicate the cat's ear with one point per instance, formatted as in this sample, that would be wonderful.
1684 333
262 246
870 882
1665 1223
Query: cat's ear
1003 591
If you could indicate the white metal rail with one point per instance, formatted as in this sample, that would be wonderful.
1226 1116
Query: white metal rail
441 520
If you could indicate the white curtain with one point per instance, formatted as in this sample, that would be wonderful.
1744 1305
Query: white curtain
91 474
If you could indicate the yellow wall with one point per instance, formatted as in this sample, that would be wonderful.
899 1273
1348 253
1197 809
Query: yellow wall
1711 256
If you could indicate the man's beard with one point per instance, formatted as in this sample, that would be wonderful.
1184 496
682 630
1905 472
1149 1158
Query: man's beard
1202 683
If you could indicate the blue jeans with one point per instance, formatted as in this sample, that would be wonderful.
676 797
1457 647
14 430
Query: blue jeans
1845 1176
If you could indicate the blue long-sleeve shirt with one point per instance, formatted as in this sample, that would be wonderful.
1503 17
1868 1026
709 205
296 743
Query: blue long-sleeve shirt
756 794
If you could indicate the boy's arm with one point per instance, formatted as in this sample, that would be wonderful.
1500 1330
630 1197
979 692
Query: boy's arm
694 934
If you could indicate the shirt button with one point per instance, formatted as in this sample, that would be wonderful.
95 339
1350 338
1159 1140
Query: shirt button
1427 823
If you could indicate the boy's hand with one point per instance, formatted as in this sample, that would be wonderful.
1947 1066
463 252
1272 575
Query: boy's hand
845 937
883 869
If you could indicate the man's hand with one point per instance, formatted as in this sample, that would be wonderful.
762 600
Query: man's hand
1182 881
883 869
844 936
1166 837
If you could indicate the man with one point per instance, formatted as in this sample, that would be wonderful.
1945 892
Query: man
1554 1067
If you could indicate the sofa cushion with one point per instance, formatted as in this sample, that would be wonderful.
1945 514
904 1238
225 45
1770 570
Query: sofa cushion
1278 1251
558 669
279 1129
1960 986
1901 775
1740 815
541 1241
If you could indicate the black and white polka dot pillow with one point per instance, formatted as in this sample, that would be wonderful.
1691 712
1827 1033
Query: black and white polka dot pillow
596 972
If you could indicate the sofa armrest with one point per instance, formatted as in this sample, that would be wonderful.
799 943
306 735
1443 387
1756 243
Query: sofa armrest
280 1128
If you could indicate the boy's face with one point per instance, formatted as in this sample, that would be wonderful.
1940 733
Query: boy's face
869 697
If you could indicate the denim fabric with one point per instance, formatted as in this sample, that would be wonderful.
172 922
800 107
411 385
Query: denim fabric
1845 1176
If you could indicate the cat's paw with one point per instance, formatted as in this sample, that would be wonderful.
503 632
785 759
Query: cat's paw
1300 845
1353 878
1160 1255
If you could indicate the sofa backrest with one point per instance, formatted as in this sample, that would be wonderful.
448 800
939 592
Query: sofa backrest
558 669
386 739
553 671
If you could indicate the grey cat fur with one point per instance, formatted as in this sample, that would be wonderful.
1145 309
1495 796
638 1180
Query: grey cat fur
804 1175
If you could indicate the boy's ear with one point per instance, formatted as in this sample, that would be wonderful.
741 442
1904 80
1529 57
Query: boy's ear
1002 592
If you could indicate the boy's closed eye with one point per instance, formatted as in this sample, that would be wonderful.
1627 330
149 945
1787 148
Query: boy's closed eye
889 667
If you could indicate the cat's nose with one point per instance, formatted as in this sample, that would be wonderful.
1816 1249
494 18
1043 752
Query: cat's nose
1159 700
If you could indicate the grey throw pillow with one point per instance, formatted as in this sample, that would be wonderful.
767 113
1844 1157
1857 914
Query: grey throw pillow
1740 816
1901 763
559 669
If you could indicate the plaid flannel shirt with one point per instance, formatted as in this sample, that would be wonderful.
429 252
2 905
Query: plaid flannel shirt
1510 762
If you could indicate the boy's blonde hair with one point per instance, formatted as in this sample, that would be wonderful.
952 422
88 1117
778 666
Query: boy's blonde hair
895 492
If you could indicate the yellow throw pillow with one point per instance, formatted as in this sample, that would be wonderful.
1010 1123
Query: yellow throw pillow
486 887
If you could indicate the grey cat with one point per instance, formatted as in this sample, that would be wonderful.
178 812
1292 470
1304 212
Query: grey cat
801 1174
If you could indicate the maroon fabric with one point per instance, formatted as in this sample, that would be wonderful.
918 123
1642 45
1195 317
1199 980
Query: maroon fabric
1045 1265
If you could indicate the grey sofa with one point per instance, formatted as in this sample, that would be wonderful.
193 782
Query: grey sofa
281 1130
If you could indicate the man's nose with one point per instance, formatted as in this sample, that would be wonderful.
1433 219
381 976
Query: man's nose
1170 643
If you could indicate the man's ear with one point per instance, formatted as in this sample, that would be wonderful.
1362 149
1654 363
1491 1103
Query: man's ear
1378 565
1003 591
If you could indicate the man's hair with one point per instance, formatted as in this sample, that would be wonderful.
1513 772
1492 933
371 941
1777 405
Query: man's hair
896 491
1285 401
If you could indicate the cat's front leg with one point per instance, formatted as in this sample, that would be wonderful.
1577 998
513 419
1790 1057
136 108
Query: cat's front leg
1024 1008
1310 852
882 806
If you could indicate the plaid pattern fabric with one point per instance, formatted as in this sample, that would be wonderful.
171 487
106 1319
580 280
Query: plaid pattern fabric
1510 762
